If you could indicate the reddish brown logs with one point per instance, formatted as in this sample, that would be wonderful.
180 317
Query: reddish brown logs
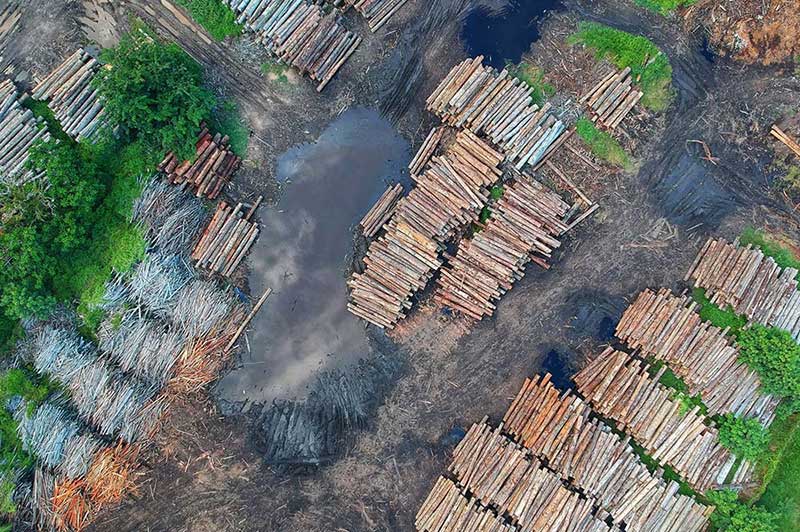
788 141
611 100
225 241
380 213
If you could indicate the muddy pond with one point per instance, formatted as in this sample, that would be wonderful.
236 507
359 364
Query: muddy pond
304 252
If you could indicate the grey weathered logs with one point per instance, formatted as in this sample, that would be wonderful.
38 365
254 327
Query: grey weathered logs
448 510
70 95
523 227
788 141
209 172
376 12
750 282
499 107
383 209
300 33
611 100
19 130
10 14
226 240
426 151
669 328
620 387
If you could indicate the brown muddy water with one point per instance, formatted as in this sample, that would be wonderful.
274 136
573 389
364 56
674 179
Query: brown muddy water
303 253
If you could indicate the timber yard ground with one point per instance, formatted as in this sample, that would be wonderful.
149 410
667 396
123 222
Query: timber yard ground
206 473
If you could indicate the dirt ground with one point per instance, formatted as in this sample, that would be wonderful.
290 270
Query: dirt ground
205 474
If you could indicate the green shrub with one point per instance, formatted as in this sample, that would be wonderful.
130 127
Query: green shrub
775 356
664 7
534 77
602 144
649 67
214 16
733 516
783 257
781 495
745 437
717 316
497 192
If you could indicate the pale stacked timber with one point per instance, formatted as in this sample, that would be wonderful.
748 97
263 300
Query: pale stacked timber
557 428
448 510
523 227
300 33
426 151
448 196
619 387
19 130
750 282
209 172
611 100
72 98
377 12
669 328
788 141
498 106
380 213
227 239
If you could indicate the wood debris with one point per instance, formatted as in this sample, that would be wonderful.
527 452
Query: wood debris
300 33
380 213
19 130
376 12
669 328
226 240
212 169
785 139
610 101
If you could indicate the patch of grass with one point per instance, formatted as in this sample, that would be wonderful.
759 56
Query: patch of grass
717 316
602 144
664 7
783 257
275 71
680 389
497 192
227 120
486 213
214 16
40 109
781 495
534 77
650 68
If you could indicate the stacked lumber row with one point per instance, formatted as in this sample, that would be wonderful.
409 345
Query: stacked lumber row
300 34
227 239
380 213
788 141
750 282
669 328
611 100
522 228
556 427
19 130
211 170
426 151
10 14
448 510
448 195
619 387
499 107
71 96
376 12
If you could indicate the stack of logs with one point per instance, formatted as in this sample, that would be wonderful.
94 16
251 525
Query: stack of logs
750 282
209 172
383 209
299 33
19 130
611 100
668 328
499 106
10 14
449 195
71 96
620 387
376 12
226 240
448 510
788 141
426 151
522 228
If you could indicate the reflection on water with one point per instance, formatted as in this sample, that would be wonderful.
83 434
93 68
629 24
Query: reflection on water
302 254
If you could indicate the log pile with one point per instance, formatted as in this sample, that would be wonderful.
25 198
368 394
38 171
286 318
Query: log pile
447 510
72 98
499 107
376 12
300 33
10 14
19 130
426 151
610 101
209 172
620 387
522 228
750 282
669 328
449 195
788 141
380 213
226 240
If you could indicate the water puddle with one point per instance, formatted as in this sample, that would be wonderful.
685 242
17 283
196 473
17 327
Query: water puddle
506 34
559 364
302 253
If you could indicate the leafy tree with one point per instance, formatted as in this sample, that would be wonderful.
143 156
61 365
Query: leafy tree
733 516
745 437
775 356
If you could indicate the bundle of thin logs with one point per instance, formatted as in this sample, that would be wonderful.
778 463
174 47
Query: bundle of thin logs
426 151
750 282
788 141
72 98
611 100
19 130
498 106
10 14
377 12
226 240
446 509
380 213
558 429
620 387
447 196
300 33
669 328
522 228
209 172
